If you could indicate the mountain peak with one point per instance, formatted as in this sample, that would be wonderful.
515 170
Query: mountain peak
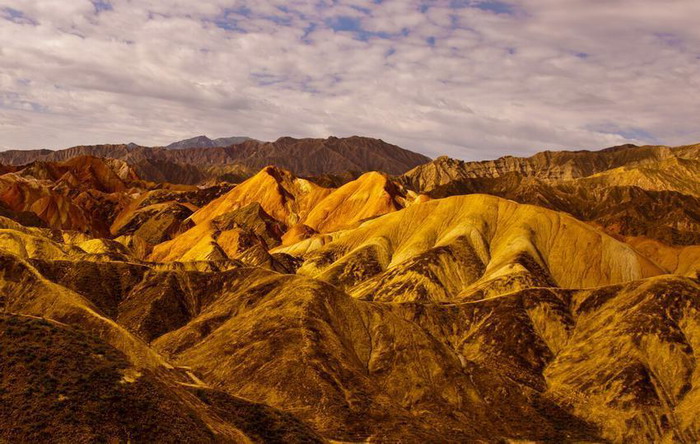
205 142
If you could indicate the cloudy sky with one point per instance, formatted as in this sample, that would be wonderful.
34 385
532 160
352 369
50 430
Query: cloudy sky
470 78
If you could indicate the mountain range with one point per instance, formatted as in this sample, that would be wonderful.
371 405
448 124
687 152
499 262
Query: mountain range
184 163
347 290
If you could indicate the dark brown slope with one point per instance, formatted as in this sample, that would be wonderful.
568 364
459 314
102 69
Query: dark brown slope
59 383
193 165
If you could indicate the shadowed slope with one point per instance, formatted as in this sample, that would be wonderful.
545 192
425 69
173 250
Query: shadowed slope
98 381
355 370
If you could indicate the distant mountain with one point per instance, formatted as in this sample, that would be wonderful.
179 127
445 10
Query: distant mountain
306 157
205 142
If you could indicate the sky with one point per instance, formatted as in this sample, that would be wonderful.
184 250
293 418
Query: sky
472 79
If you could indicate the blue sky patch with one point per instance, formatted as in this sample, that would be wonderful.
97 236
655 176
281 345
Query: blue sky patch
102 5
17 16
629 133
494 6
345 23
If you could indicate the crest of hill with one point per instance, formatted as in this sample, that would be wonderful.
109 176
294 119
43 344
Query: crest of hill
282 195
306 157
371 195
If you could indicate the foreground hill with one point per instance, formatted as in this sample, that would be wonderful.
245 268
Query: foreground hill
456 248
79 377
193 165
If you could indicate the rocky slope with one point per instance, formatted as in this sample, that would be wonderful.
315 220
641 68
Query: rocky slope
82 377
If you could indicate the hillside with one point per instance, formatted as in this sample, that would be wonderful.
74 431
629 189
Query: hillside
548 165
549 299
450 249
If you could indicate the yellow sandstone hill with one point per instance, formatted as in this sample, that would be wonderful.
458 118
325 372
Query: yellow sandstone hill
446 248
300 208
671 174
283 196
371 195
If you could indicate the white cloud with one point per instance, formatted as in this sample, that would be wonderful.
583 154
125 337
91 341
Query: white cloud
473 79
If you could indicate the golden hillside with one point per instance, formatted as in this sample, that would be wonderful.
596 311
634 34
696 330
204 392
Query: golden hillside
449 248
551 299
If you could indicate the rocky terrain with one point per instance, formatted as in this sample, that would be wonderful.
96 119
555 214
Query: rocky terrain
548 299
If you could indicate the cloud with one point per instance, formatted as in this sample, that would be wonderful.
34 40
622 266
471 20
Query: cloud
470 78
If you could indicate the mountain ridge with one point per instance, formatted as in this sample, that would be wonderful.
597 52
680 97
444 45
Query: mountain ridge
205 142
192 165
